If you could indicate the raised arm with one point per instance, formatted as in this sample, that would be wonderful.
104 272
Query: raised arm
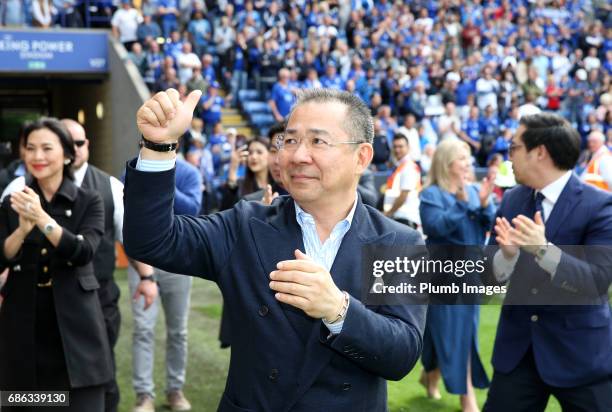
151 232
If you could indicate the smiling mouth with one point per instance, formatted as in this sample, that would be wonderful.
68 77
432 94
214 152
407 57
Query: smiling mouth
39 167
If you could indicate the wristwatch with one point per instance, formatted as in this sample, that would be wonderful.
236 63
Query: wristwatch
158 147
542 251
48 228
150 278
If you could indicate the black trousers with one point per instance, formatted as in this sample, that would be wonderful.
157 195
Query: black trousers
524 390
109 300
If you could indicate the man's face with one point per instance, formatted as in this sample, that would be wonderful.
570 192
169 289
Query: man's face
273 164
522 160
594 144
81 145
316 174
409 122
400 148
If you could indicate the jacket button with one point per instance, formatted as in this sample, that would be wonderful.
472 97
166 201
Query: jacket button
534 318
43 251
273 374
45 269
69 263
263 310
346 386
534 291
68 213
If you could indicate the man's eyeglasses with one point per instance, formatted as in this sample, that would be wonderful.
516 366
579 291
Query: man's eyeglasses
79 143
313 142
513 147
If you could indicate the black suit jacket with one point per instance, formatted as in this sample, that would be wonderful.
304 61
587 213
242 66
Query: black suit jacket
572 344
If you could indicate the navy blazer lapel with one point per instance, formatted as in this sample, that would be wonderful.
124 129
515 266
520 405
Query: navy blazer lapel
347 276
567 201
276 240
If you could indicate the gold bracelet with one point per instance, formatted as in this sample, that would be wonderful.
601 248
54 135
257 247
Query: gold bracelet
343 311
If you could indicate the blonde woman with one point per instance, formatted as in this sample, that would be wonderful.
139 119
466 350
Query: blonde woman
454 212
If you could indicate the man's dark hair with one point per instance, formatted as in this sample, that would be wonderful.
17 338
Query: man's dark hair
278 127
401 136
56 127
561 141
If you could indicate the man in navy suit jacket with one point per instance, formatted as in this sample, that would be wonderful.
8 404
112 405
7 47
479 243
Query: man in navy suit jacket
302 341
543 350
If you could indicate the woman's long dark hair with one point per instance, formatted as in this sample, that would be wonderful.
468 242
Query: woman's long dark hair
249 182
56 127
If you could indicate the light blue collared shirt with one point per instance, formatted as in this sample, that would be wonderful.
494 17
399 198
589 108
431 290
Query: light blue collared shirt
154 165
324 254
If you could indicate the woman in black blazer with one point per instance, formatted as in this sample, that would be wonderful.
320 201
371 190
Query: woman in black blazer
52 328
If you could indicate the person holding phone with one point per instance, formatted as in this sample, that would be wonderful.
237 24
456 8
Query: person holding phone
257 176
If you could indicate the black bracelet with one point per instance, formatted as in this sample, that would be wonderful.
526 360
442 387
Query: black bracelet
150 278
158 147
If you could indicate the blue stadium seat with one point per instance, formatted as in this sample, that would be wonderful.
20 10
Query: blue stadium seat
254 107
247 95
261 120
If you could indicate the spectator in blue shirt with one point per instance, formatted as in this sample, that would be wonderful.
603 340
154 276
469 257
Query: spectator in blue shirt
208 70
168 14
282 98
211 105
512 122
175 46
332 80
200 32
470 130
148 30
238 66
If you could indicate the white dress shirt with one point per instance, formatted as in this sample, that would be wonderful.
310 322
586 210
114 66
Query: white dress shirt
117 191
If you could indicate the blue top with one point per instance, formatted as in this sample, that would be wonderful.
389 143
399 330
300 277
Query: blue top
283 98
188 189
212 115
446 220
200 30
168 4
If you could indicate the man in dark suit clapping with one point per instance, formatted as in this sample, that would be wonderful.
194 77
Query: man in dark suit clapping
547 344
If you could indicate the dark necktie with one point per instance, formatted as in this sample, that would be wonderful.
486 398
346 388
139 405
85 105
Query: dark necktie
538 204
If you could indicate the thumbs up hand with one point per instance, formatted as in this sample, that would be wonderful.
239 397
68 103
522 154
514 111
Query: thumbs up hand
164 117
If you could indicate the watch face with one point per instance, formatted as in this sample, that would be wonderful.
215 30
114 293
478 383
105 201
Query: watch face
49 227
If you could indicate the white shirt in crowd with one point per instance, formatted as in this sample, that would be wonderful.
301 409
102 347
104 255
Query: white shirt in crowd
186 63
414 141
409 179
486 93
117 191
126 21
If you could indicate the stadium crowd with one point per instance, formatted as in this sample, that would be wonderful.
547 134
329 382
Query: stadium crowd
464 69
